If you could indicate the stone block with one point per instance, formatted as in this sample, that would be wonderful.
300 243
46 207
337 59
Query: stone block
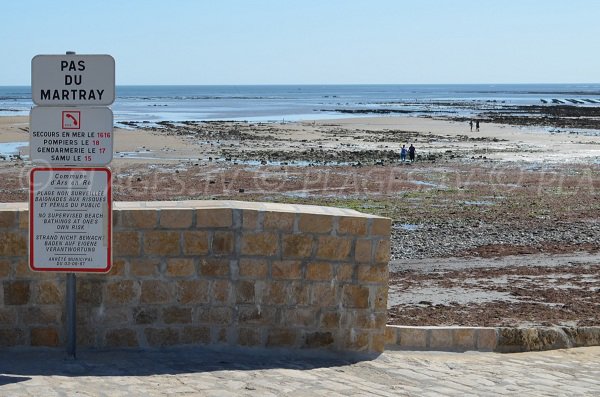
220 291
355 340
380 296
286 270
282 221
192 291
89 291
352 226
155 291
441 339
22 270
162 242
372 274
297 245
319 271
222 243
8 316
139 218
176 218
113 316
161 337
195 335
121 292
126 243
298 293
486 339
363 251
13 244
16 292
44 336
177 315
262 244
257 269
334 248
220 335
329 320
282 337
299 317
323 295
42 315
12 337
249 337
344 272
195 243
217 217
254 315
250 220
464 339
180 267
210 267
315 223
381 227
319 339
145 315
5 268
276 293
48 293
118 268
355 296
23 220
122 337
220 315
367 319
8 219
377 343
391 335
382 252
244 292
144 267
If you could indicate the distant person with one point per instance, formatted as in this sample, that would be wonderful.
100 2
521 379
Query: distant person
411 153
477 125
471 125
403 153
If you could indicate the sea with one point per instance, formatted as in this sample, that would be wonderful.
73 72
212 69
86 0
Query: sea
281 103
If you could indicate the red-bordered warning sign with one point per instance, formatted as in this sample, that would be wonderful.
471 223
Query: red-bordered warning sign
71 119
70 219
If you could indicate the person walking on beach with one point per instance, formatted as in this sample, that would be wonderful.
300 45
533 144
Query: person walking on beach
403 153
477 125
411 153
471 125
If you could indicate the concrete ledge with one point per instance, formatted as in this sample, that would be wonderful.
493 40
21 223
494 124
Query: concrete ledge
486 339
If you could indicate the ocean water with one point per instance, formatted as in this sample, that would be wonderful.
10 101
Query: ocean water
309 102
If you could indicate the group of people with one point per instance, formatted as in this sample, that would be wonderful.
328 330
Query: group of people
410 151
476 125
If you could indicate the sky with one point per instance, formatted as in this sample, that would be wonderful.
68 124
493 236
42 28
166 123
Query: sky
161 42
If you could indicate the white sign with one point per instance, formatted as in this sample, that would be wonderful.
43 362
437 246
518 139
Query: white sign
71 136
71 80
70 219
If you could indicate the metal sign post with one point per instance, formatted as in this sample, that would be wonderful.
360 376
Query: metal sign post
70 208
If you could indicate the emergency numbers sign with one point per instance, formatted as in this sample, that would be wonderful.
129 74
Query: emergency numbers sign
71 136
71 80
70 219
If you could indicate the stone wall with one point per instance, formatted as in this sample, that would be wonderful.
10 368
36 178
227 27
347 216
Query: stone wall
210 272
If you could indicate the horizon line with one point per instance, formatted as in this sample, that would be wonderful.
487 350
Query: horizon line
318 84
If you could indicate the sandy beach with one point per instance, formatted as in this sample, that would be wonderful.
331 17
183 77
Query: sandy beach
522 198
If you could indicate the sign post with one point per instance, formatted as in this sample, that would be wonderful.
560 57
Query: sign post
70 199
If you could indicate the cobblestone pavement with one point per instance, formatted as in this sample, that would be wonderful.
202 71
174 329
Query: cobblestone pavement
213 372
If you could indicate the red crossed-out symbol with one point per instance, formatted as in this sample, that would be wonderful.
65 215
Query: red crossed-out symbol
71 119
